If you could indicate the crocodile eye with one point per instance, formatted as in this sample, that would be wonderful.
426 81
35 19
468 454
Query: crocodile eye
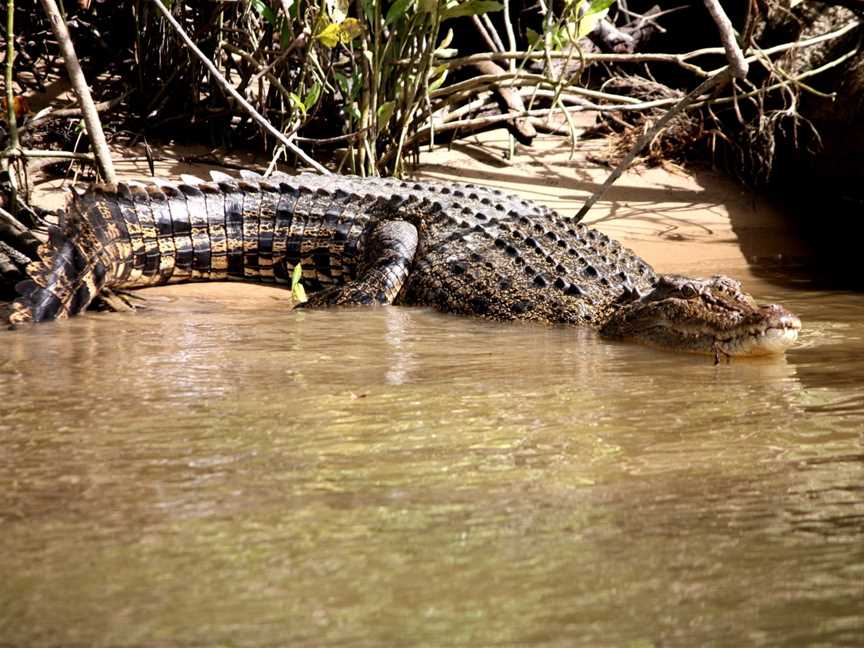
688 292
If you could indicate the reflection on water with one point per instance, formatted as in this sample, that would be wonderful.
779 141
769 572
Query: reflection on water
202 474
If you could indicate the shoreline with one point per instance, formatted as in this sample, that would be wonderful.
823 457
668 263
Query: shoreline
694 221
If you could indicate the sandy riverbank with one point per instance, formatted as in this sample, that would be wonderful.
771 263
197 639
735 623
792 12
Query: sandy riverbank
698 222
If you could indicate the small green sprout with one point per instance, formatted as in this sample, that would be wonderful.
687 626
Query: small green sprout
297 289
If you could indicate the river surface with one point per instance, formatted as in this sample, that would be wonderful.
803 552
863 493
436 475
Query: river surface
229 473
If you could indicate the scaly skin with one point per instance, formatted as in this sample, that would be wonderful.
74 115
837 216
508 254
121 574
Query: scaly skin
703 316
459 248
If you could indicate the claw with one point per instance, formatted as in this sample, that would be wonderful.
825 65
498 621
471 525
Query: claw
718 350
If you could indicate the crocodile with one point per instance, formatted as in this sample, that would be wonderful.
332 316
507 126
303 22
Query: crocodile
459 248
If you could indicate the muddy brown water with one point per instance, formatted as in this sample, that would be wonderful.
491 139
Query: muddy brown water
232 473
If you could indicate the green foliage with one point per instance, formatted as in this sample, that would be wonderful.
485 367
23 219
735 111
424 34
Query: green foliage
470 8
397 11
573 24
298 292
343 32
385 112
364 76
266 12
311 97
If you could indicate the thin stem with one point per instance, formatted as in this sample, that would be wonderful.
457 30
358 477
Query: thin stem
484 34
10 99
15 226
678 59
300 41
82 91
506 79
51 155
48 113
487 21
10 90
780 84
246 56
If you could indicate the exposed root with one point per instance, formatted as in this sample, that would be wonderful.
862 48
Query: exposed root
672 144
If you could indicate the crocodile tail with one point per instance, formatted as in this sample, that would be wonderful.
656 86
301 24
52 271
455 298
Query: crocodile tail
68 275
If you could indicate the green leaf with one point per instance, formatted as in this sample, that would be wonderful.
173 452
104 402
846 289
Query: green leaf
582 27
471 8
261 7
385 112
586 23
439 74
297 289
311 97
445 42
533 37
356 84
354 111
349 87
329 36
297 102
597 6
285 35
369 10
396 11
349 29
561 37
343 83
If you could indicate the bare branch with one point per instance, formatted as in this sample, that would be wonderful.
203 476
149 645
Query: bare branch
677 59
734 55
79 85
48 113
493 47
10 59
51 155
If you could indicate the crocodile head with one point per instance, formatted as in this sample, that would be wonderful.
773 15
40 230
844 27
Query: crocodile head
712 316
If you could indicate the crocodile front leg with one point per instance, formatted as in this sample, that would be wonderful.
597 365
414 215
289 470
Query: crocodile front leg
383 268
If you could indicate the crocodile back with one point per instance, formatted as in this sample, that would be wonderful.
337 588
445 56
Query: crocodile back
473 241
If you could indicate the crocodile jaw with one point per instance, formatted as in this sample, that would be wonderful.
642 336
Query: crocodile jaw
775 335
710 316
